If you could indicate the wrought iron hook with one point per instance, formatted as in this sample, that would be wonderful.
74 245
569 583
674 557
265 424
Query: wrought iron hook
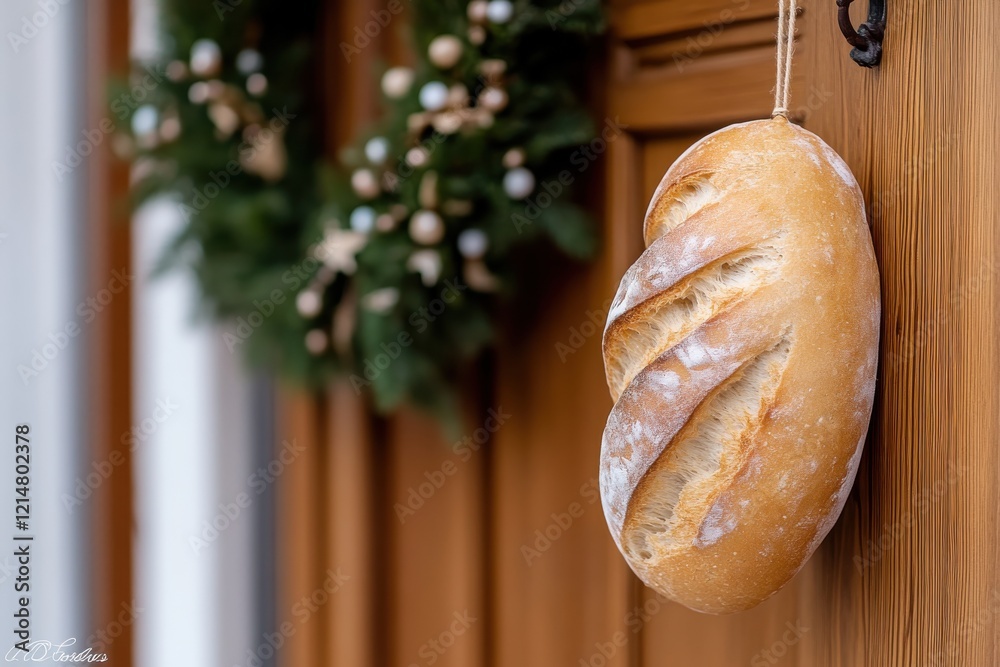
867 39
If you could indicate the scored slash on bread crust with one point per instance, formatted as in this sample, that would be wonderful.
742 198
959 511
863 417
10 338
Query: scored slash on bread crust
644 332
741 351
717 439
679 202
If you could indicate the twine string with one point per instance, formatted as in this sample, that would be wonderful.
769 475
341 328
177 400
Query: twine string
787 10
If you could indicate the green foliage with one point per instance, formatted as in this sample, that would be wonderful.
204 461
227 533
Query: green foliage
254 217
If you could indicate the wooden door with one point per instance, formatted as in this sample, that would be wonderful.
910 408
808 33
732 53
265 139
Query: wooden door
679 70
509 563
909 575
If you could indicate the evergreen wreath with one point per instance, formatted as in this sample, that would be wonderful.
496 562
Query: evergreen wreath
386 265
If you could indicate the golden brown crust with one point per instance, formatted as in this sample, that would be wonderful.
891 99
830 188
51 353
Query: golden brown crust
741 349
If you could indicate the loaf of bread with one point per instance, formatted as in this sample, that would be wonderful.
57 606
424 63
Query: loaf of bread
741 351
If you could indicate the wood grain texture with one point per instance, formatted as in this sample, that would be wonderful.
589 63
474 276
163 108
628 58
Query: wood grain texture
434 512
908 576
561 587
351 532
561 591
910 573
638 20
684 48
300 546
921 134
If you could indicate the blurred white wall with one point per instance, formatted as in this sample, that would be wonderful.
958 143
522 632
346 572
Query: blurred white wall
193 405
194 581
41 274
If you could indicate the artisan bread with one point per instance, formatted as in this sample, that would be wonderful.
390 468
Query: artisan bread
741 350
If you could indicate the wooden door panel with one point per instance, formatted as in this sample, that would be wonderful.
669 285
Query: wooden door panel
300 549
433 512
516 535
675 636
350 480
701 96
551 611
560 586
914 560
665 18
658 153
713 65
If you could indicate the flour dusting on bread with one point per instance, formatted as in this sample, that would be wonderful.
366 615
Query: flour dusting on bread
721 428
644 333
741 350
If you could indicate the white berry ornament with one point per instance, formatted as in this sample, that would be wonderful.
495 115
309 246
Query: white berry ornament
499 11
426 227
428 264
206 58
477 10
396 82
434 96
308 303
377 150
518 183
445 51
316 341
363 219
249 61
365 183
472 243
